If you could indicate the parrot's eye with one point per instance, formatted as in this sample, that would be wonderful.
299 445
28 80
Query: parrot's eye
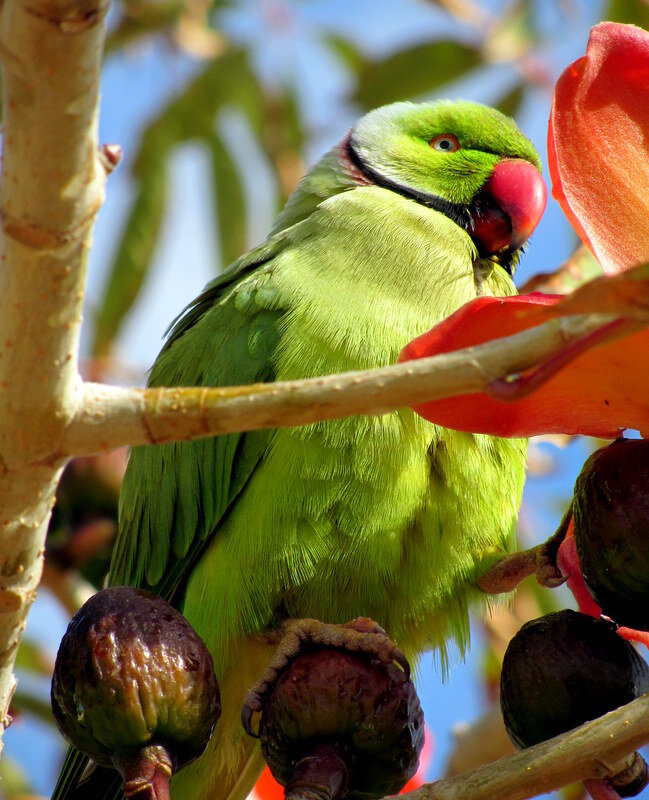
445 143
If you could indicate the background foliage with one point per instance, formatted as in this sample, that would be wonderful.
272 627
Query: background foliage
220 106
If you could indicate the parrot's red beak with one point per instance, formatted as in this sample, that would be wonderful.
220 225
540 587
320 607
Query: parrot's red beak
515 198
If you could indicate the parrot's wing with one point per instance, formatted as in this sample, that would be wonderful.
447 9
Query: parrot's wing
174 495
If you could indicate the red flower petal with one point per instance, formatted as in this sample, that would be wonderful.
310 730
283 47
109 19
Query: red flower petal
568 563
598 145
598 390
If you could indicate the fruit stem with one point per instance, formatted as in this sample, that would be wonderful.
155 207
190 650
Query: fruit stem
321 774
600 790
633 779
146 773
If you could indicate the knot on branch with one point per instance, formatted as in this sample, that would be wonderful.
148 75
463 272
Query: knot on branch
70 18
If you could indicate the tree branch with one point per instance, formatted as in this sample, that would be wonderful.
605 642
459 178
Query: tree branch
52 186
594 750
109 417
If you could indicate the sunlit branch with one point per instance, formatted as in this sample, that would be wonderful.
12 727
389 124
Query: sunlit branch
110 417
597 749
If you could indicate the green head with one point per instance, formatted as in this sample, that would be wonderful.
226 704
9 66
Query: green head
464 159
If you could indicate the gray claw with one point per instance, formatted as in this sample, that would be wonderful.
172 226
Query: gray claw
246 720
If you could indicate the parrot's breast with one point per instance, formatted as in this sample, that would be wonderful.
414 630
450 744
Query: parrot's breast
382 516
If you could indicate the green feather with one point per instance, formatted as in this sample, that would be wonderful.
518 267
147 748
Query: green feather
388 516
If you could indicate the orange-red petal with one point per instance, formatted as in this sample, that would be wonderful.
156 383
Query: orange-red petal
600 391
568 563
598 145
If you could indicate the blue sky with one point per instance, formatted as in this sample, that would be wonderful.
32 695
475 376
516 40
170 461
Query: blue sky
133 87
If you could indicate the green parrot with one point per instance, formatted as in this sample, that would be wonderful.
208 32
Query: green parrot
420 209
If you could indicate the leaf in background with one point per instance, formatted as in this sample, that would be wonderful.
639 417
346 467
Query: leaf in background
133 255
347 53
28 703
225 81
14 781
142 18
416 71
634 12
511 102
282 140
32 658
230 202
512 35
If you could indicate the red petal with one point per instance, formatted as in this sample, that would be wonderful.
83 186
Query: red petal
419 778
267 787
600 392
598 145
568 563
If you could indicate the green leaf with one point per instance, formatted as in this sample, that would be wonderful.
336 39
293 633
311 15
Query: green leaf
14 780
32 658
140 20
27 703
230 202
510 102
346 52
416 71
283 139
133 256
225 81
633 12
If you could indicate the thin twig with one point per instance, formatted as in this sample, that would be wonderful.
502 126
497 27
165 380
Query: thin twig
594 750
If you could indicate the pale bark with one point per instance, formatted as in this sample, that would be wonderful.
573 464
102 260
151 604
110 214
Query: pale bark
597 749
52 187
108 416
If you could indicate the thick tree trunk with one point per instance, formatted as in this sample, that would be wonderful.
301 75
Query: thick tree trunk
51 189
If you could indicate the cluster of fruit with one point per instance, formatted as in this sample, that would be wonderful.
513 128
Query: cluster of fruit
134 689
592 669
134 686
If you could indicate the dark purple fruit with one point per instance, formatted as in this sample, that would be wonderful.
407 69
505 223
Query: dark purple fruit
611 520
564 669
134 688
341 723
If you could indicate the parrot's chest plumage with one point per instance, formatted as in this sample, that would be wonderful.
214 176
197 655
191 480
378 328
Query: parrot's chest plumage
376 516
383 516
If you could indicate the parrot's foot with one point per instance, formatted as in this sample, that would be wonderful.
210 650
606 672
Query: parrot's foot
361 635
506 574
548 573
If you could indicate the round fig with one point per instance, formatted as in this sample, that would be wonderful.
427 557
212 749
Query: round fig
611 522
134 688
564 669
341 723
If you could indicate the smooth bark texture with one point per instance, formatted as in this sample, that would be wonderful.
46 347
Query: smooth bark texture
596 750
109 417
51 188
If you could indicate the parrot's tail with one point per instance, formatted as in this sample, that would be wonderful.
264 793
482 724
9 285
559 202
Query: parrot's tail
232 763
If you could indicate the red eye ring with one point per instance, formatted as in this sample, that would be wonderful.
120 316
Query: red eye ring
445 143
